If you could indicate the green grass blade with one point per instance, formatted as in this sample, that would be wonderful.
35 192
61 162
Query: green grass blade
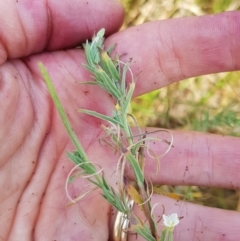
101 116
62 112
136 168
128 98
108 66
144 231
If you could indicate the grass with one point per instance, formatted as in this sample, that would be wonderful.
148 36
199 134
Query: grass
208 103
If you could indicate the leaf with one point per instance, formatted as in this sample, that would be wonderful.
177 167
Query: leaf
61 111
88 83
144 231
128 98
136 168
111 48
92 69
105 183
110 86
123 79
101 116
89 57
78 160
108 66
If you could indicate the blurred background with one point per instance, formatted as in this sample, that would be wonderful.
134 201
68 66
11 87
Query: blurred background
209 103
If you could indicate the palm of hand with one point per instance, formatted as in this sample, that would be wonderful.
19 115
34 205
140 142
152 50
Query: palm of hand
34 165
38 143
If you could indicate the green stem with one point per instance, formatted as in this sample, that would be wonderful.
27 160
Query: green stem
127 129
138 172
147 211
63 114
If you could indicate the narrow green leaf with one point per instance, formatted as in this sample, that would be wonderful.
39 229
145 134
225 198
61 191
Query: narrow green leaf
101 116
62 112
108 66
136 168
123 78
88 83
122 207
88 53
108 195
97 42
136 147
117 116
111 48
110 85
98 184
105 183
92 69
128 98
144 231
98 39
78 160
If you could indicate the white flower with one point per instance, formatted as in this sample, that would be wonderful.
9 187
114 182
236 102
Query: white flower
170 221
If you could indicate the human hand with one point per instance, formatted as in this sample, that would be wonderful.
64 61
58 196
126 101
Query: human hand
34 166
164 52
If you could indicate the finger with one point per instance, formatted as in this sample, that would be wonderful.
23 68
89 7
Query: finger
196 159
198 222
167 51
29 27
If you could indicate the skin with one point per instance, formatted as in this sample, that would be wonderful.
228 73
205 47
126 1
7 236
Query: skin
33 162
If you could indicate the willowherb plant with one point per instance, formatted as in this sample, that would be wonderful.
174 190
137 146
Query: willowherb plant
110 74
